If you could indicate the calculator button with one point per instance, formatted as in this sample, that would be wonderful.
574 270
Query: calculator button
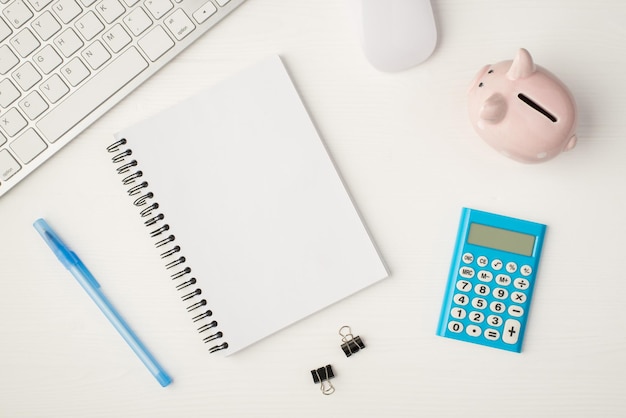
500 293
496 264
468 258
497 307
494 320
510 334
515 310
476 317
479 303
484 276
473 330
458 313
464 286
455 326
461 299
503 280
511 267
482 289
482 261
492 334
526 270
466 272
518 297
521 284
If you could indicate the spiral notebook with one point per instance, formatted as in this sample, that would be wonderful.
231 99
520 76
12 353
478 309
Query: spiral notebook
239 195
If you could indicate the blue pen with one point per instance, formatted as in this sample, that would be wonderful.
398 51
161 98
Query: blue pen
71 261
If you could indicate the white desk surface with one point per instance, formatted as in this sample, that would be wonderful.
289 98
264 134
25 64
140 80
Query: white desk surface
411 160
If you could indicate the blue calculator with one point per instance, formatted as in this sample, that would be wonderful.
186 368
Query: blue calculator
491 280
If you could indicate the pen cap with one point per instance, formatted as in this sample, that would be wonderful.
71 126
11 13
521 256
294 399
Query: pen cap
63 253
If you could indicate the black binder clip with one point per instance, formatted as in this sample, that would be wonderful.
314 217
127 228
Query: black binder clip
323 376
351 344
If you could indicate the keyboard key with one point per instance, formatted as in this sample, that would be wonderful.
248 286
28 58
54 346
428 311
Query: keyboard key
117 38
8 59
89 25
28 146
206 11
17 13
54 88
222 3
158 8
47 59
156 43
96 55
26 76
110 10
137 21
38 5
25 42
68 42
66 10
33 105
91 94
179 24
5 30
8 165
75 71
12 122
3 139
46 25
8 93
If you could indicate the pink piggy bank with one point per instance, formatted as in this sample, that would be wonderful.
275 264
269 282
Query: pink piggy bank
522 110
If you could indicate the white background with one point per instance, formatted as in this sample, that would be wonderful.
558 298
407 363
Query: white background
411 160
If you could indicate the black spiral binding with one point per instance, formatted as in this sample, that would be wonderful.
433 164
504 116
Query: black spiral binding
165 241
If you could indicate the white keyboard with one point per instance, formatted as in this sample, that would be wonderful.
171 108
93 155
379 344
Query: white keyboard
64 63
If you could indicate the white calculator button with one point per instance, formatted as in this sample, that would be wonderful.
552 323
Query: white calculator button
476 317
500 293
455 326
510 333
526 270
461 299
484 276
492 334
458 313
482 289
497 307
464 285
518 297
521 284
466 272
468 258
496 264
473 330
482 261
479 303
494 320
503 280
515 310
511 267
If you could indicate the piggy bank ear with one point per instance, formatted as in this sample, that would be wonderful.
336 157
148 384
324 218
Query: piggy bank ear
522 65
493 110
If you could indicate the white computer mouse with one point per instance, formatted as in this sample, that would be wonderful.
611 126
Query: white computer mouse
395 34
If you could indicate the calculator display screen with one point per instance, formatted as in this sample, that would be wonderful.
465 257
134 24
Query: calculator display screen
501 239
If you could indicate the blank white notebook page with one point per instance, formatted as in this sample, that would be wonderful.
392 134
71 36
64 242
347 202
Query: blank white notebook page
251 194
